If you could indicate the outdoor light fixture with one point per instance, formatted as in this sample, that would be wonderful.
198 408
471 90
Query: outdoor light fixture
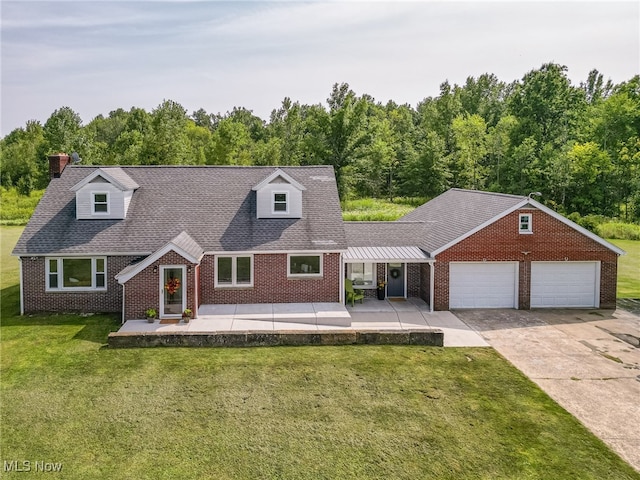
155 269
535 193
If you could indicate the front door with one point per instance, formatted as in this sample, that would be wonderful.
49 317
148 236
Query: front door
173 291
395 280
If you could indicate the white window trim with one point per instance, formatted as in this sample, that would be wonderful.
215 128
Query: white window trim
530 223
374 269
305 275
94 203
60 274
273 203
234 272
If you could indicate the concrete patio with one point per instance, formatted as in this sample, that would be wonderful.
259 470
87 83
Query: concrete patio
372 315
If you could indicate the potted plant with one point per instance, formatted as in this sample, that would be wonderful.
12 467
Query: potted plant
381 285
150 313
186 315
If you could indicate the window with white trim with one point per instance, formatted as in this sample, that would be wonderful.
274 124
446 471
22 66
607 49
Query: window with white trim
100 203
76 274
280 202
234 271
362 274
525 223
305 265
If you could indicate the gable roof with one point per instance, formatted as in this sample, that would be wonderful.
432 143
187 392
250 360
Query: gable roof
457 214
276 174
183 245
114 175
216 205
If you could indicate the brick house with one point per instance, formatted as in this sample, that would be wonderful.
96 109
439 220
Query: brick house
124 239
472 249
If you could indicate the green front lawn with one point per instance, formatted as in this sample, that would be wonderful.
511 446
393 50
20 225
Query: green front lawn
628 269
299 413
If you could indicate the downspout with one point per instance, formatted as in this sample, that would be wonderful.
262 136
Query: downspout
432 277
21 287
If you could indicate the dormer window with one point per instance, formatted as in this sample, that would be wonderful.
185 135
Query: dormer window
281 203
105 193
101 203
279 196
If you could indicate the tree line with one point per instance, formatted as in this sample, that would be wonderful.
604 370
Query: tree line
577 145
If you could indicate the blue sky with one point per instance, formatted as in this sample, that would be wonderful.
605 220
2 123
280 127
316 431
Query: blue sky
96 56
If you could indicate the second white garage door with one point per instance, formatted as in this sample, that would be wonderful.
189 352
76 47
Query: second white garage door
483 284
564 284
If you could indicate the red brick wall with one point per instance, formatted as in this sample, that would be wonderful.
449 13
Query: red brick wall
425 282
551 240
413 279
143 290
36 299
271 284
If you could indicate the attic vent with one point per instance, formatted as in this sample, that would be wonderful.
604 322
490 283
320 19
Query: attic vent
322 178
323 242
98 179
278 179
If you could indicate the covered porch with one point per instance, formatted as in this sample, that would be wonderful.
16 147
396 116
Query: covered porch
391 273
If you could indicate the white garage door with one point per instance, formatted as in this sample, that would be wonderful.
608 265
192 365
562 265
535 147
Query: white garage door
564 284
483 285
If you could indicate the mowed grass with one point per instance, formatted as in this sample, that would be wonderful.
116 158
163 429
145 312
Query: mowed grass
299 413
628 268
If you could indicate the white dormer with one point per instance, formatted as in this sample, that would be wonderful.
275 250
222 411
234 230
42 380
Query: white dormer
104 194
279 196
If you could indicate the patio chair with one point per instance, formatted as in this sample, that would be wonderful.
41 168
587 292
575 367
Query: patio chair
353 295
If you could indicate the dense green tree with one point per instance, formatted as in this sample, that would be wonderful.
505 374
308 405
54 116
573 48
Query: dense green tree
468 160
578 145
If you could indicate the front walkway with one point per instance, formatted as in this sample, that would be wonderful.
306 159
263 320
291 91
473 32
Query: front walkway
372 315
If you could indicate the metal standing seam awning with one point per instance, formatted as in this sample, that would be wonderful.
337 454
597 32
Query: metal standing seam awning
386 255
391 255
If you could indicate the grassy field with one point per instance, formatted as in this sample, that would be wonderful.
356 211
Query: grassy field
300 413
376 209
17 209
628 269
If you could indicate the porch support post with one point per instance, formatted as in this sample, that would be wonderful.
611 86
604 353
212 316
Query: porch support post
432 277
123 304
21 287
341 279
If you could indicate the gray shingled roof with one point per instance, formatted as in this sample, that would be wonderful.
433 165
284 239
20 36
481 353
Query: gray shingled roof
456 212
384 234
214 205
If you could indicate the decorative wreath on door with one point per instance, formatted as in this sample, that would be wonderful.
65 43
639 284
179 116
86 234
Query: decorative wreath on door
395 273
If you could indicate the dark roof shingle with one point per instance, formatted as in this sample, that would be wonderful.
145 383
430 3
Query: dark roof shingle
214 205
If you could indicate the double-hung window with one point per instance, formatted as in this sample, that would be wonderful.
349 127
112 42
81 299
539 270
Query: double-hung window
234 271
281 202
525 223
100 203
76 273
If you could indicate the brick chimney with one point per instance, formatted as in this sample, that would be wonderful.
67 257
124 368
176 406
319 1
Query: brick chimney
57 162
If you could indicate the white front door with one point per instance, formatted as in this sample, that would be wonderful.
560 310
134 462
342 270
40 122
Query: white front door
173 292
483 285
565 284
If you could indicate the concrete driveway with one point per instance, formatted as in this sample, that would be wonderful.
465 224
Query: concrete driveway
586 360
